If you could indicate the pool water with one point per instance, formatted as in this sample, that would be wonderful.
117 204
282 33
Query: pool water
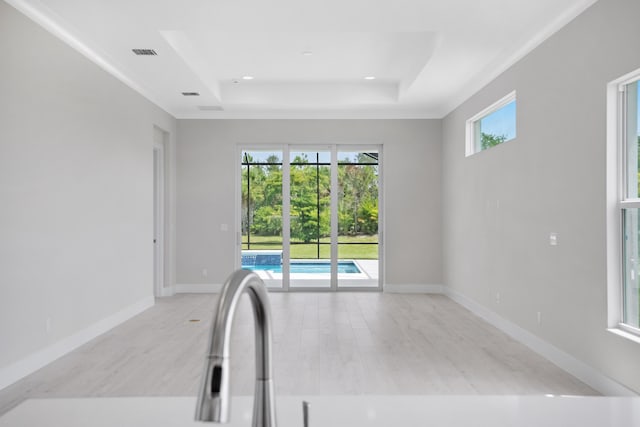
307 267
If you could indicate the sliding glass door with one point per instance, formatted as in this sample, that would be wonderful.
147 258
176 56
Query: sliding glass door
310 216
310 219
358 218
261 215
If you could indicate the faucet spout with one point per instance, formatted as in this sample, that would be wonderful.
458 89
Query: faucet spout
213 399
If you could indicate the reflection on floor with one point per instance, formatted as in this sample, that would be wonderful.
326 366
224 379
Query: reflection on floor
324 344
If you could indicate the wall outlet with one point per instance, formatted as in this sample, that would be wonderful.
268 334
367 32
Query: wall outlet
224 227
553 239
205 273
497 297
539 318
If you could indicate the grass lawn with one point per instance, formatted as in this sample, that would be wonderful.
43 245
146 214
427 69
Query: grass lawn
310 250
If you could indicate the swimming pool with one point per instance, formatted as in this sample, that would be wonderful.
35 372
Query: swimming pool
317 267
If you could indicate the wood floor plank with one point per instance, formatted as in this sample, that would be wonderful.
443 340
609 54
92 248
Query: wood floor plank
323 343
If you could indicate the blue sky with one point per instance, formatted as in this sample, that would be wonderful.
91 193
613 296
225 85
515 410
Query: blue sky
261 156
325 156
501 122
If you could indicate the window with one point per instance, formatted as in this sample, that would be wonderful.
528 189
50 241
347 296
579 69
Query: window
628 207
492 126
309 216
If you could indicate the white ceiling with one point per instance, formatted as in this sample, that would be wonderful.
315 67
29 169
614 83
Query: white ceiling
307 58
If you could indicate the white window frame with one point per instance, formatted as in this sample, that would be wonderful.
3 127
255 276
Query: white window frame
617 202
470 132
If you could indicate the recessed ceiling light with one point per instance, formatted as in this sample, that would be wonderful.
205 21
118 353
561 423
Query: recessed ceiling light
307 53
190 93
370 78
247 77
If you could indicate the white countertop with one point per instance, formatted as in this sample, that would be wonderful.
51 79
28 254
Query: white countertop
339 411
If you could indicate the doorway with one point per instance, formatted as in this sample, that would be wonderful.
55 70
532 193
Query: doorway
310 216
158 210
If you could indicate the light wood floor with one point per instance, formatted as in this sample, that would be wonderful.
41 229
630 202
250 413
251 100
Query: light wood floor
324 343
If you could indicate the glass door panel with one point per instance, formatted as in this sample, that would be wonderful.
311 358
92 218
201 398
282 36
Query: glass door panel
261 215
358 203
310 219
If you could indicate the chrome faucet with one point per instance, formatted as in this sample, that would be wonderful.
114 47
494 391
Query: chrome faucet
214 400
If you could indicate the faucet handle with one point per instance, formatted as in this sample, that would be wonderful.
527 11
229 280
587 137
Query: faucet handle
305 413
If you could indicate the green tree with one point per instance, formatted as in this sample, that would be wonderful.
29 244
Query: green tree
272 190
368 216
358 186
489 140
310 198
252 191
267 221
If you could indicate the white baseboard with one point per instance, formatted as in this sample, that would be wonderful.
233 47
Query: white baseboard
37 360
198 288
167 291
565 361
413 289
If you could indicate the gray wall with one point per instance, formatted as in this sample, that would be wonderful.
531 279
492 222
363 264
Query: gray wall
76 188
206 169
500 205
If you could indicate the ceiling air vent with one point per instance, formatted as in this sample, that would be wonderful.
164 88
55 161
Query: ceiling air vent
210 108
190 94
147 52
